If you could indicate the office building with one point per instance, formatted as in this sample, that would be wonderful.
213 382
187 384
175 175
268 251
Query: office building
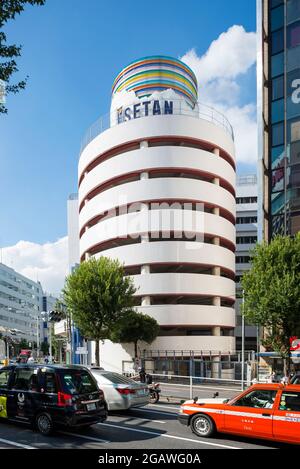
279 116
246 238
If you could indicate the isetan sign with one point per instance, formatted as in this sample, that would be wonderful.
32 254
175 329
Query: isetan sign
145 108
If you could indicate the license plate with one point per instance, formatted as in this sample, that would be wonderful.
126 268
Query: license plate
91 406
141 392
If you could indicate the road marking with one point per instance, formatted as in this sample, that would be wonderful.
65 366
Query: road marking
129 416
167 436
155 412
85 437
14 443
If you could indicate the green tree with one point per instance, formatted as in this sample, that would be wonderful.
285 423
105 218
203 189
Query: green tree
272 293
133 327
97 294
8 65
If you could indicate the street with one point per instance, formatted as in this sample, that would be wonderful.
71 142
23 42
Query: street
152 427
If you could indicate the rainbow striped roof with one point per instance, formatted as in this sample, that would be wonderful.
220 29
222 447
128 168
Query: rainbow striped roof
157 73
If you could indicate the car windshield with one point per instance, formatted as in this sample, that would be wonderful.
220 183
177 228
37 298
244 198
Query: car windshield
77 381
114 378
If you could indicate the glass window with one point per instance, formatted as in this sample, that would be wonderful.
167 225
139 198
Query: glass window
293 35
257 399
295 152
277 155
114 377
275 3
293 58
24 378
277 41
277 134
4 375
278 179
293 10
77 382
278 88
50 383
278 110
292 81
292 108
293 130
277 64
290 401
277 18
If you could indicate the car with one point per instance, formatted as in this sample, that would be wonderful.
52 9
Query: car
48 396
120 392
268 411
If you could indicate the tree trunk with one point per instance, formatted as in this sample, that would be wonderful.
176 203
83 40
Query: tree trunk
97 353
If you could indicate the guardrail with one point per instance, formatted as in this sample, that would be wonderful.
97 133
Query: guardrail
203 111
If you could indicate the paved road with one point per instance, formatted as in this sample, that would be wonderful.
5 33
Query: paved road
152 427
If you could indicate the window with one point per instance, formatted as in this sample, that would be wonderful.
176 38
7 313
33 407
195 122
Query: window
293 10
277 18
257 399
277 155
24 379
290 401
277 65
293 35
277 41
243 220
242 259
50 383
278 88
278 110
4 375
246 200
277 134
275 3
77 382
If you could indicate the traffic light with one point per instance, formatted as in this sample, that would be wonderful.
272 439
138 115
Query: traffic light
55 316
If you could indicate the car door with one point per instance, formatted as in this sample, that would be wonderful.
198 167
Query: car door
251 414
5 410
286 424
21 392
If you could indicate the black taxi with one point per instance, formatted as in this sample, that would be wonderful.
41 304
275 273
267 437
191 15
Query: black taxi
47 396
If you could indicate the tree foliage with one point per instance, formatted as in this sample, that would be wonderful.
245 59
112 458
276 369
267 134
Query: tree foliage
9 52
272 292
133 327
97 294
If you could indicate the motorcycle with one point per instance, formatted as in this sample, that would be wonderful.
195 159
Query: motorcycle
154 391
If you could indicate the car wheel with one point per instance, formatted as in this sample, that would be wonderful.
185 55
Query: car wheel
44 424
202 425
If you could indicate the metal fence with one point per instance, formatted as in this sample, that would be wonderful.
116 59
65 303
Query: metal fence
202 111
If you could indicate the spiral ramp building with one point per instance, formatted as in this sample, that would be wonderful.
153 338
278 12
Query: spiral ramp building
157 192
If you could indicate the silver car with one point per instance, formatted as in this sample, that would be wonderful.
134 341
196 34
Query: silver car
120 392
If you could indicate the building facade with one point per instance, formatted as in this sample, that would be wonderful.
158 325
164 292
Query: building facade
20 304
246 238
279 115
157 192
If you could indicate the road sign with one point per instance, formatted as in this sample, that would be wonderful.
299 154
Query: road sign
81 351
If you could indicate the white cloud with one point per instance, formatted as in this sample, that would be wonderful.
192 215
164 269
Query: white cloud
47 262
229 57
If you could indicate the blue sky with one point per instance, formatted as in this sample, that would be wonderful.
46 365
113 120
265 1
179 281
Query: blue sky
72 51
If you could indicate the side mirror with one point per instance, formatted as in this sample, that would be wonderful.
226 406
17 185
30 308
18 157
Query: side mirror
195 399
215 394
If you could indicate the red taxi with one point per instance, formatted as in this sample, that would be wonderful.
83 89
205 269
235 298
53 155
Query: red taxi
269 411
